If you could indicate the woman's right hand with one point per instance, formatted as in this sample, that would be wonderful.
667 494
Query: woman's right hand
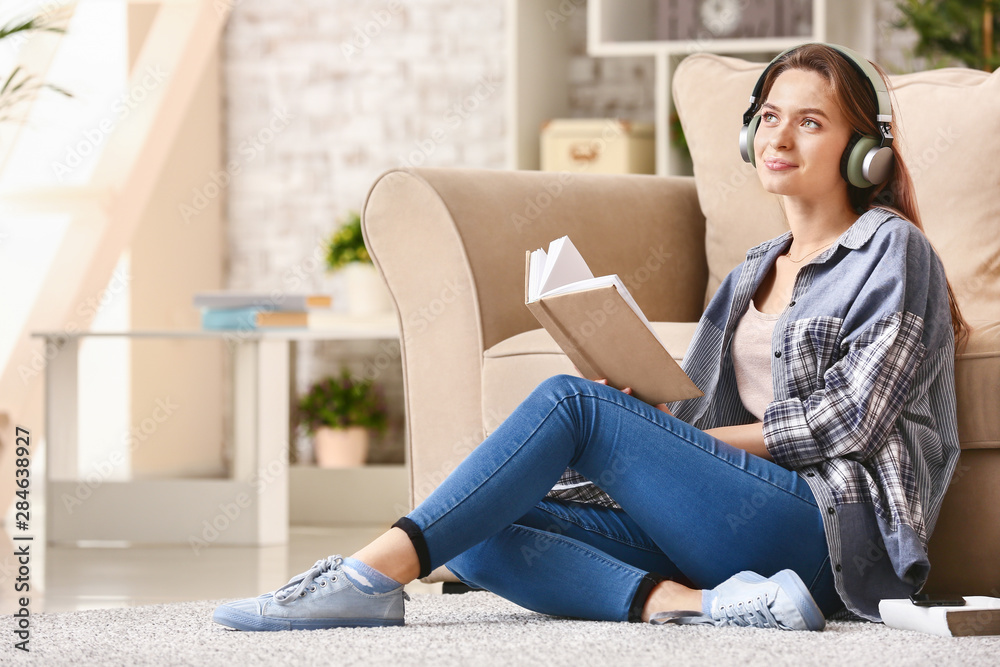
604 381
662 407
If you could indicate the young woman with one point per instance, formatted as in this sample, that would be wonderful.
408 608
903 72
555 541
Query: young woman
807 479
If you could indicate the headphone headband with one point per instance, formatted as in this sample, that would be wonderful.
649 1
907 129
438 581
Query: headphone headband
856 60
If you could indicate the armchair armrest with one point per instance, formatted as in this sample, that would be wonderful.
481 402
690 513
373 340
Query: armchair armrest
450 245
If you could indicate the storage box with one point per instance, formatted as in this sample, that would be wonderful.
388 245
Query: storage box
598 146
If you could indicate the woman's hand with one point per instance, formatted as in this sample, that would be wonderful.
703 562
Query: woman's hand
604 381
662 407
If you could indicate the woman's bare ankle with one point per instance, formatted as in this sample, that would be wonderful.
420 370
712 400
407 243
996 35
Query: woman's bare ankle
392 554
671 596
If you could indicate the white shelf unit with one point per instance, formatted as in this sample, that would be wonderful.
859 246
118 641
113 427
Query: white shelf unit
539 51
249 507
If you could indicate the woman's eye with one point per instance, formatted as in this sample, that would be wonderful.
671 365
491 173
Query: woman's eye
768 117
810 123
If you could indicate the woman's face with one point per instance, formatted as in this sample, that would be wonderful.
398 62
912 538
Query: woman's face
801 138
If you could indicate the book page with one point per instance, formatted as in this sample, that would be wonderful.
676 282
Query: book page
535 268
563 265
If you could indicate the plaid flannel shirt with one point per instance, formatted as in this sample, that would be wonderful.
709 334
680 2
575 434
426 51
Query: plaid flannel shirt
864 397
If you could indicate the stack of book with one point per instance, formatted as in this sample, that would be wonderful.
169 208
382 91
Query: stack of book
244 311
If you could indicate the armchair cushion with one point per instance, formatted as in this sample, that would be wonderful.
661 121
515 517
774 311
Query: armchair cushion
977 385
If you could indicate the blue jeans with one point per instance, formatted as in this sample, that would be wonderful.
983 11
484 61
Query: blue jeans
694 509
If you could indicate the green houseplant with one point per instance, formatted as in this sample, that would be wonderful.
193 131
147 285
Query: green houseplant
346 253
949 31
339 412
347 244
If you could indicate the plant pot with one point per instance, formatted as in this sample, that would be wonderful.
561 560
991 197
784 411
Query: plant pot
366 291
341 447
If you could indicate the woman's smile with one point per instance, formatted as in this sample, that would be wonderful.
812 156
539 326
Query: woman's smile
778 164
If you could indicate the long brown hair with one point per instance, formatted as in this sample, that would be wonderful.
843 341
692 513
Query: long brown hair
857 101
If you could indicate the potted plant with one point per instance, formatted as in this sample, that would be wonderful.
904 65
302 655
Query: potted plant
346 253
340 412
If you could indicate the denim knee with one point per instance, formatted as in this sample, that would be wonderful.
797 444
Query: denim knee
561 386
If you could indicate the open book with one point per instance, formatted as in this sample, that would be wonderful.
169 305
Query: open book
599 326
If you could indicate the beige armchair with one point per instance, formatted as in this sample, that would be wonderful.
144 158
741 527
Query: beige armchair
450 244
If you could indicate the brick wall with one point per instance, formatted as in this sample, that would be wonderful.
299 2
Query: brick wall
363 86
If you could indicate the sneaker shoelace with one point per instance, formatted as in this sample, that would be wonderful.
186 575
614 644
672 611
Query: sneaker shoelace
300 582
305 581
754 612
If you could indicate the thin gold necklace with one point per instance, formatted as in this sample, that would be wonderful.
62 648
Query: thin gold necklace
788 254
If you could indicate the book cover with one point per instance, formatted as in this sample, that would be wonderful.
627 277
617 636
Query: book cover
600 327
979 616
225 319
274 300
282 318
327 320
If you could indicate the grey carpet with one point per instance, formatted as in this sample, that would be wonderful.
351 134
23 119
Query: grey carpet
472 629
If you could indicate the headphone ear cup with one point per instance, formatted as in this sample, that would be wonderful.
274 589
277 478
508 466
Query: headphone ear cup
862 153
746 140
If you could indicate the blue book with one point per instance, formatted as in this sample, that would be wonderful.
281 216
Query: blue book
224 319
